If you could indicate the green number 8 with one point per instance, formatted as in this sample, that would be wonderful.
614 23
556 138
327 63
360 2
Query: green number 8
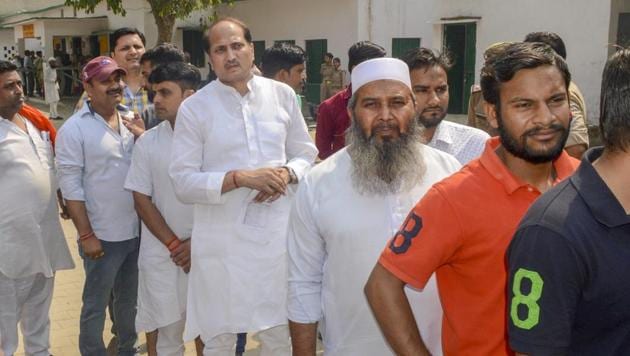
530 300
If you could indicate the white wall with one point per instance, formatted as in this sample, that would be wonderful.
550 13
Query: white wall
300 20
398 18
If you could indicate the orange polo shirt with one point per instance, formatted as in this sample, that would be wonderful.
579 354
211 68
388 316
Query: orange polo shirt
461 230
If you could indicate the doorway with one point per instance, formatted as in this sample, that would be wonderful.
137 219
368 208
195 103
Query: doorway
460 42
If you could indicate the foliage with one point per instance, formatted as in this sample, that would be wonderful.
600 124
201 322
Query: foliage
164 11
177 8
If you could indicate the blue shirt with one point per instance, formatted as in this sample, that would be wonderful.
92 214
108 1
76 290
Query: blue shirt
568 287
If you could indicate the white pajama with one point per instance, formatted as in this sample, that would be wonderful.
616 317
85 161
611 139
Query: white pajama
170 341
25 301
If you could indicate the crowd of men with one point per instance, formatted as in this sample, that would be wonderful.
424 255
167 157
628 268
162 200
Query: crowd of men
200 213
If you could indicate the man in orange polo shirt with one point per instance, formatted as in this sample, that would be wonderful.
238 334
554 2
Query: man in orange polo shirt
461 228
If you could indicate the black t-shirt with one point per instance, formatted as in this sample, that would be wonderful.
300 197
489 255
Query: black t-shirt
569 271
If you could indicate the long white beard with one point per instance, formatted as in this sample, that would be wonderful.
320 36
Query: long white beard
388 167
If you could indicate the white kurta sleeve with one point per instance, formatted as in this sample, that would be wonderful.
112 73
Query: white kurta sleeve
301 150
191 184
139 178
70 162
307 254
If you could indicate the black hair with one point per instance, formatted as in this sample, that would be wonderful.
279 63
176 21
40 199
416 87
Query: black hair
247 34
6 66
281 56
362 51
162 54
419 58
614 117
116 35
187 76
329 55
516 56
551 39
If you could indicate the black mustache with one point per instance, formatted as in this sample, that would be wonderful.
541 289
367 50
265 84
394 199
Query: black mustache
537 129
115 91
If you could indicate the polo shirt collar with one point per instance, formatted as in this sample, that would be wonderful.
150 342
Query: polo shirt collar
598 197
495 167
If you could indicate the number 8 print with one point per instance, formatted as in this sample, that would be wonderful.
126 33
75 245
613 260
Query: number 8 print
530 300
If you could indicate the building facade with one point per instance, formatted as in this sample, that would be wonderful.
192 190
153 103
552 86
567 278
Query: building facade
464 27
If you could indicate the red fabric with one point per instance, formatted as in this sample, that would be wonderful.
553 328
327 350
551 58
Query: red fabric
39 120
332 123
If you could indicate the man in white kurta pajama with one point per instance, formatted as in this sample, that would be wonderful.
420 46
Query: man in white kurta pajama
32 244
162 281
239 144
340 223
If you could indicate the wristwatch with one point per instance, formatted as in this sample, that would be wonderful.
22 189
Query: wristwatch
292 177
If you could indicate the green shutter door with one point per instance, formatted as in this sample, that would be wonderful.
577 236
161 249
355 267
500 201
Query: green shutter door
259 49
460 42
400 46
315 50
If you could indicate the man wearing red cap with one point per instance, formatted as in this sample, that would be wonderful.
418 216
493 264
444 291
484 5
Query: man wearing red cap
93 157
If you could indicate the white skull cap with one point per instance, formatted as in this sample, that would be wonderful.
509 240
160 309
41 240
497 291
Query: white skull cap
380 69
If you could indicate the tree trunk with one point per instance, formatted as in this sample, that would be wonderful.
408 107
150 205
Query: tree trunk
165 26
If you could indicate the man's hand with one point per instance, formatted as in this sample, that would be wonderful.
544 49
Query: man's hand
92 248
268 181
264 196
135 125
181 255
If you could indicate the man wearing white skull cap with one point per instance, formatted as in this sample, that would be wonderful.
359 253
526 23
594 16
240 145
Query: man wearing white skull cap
346 209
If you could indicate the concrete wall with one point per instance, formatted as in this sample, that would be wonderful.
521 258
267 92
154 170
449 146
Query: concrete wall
300 20
382 20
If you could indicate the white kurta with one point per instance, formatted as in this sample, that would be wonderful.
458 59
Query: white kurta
335 238
31 239
162 285
51 89
238 277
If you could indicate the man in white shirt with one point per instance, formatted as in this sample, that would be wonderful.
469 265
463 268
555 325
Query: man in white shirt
430 86
32 244
346 209
164 259
239 145
93 156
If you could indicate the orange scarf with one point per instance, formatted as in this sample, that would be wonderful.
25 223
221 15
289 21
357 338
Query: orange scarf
39 120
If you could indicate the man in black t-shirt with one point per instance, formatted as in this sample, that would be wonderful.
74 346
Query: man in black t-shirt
569 262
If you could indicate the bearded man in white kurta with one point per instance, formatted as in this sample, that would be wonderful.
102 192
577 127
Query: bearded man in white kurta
239 145
347 208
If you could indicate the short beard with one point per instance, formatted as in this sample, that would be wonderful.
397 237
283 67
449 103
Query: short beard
431 122
387 167
517 146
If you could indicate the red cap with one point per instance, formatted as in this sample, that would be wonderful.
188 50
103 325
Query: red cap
101 68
